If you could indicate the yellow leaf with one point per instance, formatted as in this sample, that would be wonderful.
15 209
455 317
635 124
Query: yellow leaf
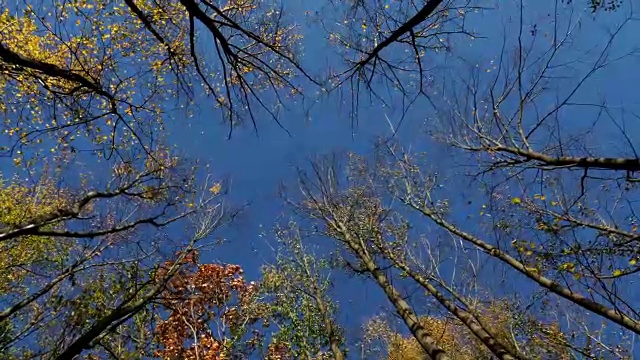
617 273
215 189
633 262
568 266
577 276
516 200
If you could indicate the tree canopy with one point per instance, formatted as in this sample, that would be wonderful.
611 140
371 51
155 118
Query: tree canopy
503 227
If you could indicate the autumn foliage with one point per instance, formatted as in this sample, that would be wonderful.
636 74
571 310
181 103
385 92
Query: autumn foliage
536 340
19 203
103 219
210 308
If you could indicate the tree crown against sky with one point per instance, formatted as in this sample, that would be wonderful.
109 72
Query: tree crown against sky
493 216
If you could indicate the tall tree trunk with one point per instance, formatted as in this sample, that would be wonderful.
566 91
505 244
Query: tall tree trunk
403 309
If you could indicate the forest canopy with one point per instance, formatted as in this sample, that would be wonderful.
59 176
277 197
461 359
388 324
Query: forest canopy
489 205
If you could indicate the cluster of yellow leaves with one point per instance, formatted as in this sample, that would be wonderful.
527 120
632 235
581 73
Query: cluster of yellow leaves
21 35
21 88
446 331
102 42
270 37
129 59
539 197
567 266
523 247
243 7
541 342
19 205
160 161
168 18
